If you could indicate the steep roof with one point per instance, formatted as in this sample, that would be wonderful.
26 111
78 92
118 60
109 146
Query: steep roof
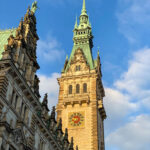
87 52
4 35
82 39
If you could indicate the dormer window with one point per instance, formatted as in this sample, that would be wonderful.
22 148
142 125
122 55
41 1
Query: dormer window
78 68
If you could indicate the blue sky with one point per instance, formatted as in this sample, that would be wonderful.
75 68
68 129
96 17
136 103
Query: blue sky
121 30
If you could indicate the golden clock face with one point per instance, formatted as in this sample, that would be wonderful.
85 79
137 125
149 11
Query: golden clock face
76 119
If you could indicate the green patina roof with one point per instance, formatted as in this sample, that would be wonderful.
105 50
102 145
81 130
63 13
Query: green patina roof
4 35
83 39
95 63
87 52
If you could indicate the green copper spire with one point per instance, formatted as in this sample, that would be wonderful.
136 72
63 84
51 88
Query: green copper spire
83 12
82 39
4 35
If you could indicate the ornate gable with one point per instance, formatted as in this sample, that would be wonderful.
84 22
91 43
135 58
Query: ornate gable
78 63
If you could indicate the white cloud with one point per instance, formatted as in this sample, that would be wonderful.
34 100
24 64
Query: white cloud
49 50
117 107
136 81
48 84
134 18
129 96
135 135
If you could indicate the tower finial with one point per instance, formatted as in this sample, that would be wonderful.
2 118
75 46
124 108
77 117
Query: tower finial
84 8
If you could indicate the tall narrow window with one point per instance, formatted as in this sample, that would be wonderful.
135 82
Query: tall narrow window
41 145
84 88
16 100
70 89
24 113
12 97
77 88
21 108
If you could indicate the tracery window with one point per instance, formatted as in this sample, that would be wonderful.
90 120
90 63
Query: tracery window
77 88
70 89
84 88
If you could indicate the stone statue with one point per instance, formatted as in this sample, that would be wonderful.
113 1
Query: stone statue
3 114
36 84
34 7
45 100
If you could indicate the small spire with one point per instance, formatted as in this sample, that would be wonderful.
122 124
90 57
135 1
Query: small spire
98 51
66 57
66 134
76 23
28 10
84 8
60 124
71 144
45 102
89 22
53 113
21 23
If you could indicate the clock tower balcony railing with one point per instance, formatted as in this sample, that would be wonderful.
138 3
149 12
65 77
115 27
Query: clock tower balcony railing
71 99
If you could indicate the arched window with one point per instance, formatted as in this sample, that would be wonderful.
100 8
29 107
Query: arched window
84 88
70 89
77 88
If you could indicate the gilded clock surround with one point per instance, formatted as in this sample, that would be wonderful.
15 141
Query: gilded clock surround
76 120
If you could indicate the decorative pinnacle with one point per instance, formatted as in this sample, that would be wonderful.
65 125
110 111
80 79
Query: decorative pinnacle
76 23
66 134
98 49
89 22
67 57
53 113
83 8
71 144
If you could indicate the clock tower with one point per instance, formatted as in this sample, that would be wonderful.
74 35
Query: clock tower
81 91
